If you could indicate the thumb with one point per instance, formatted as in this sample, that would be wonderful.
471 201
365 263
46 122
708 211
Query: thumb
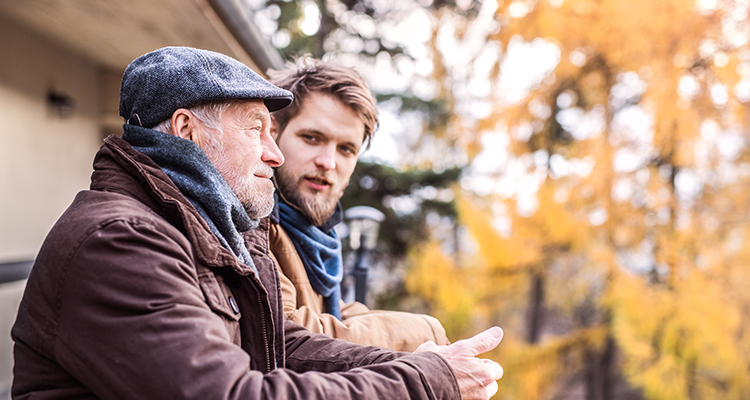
483 342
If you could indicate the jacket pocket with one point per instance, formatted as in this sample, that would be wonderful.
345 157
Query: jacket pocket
222 302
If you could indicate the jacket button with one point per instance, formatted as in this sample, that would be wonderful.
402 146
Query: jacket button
233 303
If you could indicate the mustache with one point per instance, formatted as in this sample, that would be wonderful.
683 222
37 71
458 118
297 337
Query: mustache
262 169
328 178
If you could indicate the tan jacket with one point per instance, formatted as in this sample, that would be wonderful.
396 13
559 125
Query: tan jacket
394 330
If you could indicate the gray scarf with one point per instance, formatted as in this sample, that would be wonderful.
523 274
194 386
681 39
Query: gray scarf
198 180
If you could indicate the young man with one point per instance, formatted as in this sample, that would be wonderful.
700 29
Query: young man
321 134
156 283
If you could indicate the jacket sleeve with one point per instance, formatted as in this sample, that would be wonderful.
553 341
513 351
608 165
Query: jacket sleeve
307 351
134 324
395 330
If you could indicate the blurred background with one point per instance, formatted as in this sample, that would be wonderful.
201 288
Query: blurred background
575 171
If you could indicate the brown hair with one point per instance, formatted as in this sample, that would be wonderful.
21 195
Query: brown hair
310 75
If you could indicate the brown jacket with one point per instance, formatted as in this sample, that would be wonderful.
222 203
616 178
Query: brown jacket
132 297
394 330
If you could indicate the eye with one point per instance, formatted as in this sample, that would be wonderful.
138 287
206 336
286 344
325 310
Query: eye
349 151
309 138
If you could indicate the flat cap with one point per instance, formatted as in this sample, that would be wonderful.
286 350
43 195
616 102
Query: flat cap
156 84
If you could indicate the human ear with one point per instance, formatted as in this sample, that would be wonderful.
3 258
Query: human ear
185 125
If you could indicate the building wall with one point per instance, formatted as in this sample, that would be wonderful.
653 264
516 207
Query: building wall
45 159
10 298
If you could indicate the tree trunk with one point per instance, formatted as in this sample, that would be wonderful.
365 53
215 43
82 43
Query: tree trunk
536 306
608 373
600 375
592 375
325 27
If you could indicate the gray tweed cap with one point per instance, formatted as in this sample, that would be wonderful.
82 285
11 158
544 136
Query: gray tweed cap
156 84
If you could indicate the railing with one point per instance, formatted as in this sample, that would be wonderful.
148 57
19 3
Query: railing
15 271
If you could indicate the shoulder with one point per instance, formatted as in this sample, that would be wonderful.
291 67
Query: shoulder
103 230
279 241
95 212
103 241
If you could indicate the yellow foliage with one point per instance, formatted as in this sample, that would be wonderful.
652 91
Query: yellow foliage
453 292
661 269
532 372
497 252
672 337
432 276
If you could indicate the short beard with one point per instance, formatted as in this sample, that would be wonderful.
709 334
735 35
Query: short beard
257 200
317 211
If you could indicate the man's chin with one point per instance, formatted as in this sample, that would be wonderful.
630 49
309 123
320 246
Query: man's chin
258 211
316 205
316 196
319 210
258 205
309 198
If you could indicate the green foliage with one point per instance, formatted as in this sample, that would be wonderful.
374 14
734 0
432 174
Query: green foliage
372 184
289 20
436 112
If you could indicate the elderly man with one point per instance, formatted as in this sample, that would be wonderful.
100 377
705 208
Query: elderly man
157 283
321 134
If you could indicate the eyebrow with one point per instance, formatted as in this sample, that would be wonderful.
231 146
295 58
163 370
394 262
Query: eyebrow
264 117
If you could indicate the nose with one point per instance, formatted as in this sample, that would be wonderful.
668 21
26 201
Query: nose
326 158
271 153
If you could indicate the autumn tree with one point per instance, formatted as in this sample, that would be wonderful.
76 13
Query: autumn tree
610 231
602 207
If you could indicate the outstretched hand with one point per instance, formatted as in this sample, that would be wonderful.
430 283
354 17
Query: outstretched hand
477 377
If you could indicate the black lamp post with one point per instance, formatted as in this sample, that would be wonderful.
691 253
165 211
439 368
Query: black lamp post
364 223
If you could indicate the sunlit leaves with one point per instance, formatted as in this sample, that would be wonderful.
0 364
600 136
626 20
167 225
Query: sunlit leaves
645 246
604 156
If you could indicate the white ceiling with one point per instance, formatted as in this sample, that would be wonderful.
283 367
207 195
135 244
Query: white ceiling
114 32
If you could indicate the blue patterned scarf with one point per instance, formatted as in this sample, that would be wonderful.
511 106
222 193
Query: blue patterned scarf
320 253
198 180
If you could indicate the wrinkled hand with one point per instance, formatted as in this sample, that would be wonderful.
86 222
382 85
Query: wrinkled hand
477 377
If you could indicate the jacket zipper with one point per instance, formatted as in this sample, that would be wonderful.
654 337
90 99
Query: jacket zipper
265 332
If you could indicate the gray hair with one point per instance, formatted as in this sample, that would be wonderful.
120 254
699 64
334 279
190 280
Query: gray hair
209 114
